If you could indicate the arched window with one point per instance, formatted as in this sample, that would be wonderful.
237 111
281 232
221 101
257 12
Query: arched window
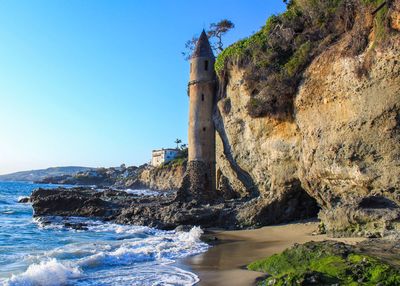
206 65
204 129
202 97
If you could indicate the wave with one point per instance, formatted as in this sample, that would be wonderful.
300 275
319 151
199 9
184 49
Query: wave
162 245
46 273
146 254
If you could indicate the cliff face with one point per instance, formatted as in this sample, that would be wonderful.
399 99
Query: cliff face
350 134
164 178
339 148
259 157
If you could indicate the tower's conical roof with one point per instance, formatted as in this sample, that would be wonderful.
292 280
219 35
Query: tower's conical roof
203 48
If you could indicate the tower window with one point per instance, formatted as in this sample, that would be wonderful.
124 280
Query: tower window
202 97
190 67
206 65
204 129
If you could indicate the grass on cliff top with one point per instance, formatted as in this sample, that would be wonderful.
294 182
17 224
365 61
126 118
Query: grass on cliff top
275 57
300 15
325 263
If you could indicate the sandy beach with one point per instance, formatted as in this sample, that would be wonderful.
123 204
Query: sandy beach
224 263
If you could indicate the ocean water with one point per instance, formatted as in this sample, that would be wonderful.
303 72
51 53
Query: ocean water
36 253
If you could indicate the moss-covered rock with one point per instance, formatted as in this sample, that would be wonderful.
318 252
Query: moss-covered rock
325 263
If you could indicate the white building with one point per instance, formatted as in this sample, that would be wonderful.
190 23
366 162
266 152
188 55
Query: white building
163 156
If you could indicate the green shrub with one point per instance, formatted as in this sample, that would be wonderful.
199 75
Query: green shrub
299 59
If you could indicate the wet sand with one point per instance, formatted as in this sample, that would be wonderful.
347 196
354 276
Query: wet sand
224 263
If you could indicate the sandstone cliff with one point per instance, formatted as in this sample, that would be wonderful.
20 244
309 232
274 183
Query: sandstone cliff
337 147
162 178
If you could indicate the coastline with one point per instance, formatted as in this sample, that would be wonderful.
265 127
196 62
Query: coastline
224 263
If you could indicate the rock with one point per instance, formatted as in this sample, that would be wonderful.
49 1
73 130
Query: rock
24 200
258 159
76 226
350 133
395 15
163 178
78 201
183 228
196 185
326 263
163 212
339 152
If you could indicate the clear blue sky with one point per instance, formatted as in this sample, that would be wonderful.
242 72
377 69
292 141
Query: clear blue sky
100 83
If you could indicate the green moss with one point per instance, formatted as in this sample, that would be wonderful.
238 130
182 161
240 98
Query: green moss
325 263
375 271
333 265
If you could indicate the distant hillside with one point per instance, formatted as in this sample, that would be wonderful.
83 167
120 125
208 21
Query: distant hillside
38 175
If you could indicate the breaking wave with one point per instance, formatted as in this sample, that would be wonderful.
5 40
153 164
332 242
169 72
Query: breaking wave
136 256
46 273
51 251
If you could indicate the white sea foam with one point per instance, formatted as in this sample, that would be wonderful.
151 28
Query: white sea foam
143 192
120 229
46 273
133 248
144 274
162 245
192 236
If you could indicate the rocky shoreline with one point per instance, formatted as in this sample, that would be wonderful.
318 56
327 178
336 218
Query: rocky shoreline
166 210
175 210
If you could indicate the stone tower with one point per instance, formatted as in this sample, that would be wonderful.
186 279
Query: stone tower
202 90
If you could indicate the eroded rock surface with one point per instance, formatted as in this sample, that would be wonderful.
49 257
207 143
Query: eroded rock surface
341 146
165 210
162 211
350 134
163 178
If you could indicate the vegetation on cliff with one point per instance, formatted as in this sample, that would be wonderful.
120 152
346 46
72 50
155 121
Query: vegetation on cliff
276 56
179 160
325 263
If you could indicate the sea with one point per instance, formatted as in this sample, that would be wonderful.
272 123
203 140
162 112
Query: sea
33 252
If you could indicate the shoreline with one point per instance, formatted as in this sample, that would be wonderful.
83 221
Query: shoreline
225 262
